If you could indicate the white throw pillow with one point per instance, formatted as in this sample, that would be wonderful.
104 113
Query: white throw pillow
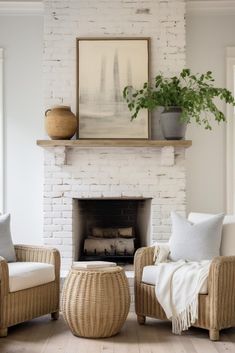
7 249
227 247
195 242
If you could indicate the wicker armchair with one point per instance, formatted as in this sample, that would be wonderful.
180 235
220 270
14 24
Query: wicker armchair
23 305
216 309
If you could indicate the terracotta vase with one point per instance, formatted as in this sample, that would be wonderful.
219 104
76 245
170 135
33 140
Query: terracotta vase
60 123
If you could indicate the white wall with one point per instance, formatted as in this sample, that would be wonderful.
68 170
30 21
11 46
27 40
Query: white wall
206 39
22 40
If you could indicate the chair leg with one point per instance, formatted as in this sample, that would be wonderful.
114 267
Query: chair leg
214 335
141 319
3 332
55 315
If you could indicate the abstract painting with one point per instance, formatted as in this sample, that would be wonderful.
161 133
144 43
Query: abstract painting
105 67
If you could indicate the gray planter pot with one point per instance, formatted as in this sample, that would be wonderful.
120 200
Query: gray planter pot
172 127
156 133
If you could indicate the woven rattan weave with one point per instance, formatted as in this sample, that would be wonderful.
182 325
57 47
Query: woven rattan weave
95 303
216 309
23 305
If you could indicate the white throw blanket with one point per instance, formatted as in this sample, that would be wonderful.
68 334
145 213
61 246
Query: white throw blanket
177 288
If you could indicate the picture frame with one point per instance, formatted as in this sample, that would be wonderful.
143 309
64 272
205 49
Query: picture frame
104 67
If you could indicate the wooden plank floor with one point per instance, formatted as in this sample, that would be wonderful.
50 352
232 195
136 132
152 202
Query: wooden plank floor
45 336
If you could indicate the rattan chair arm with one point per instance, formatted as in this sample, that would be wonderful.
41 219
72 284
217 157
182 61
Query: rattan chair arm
221 291
143 257
4 277
44 254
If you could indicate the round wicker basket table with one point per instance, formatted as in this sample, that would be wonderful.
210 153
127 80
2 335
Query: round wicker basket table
95 302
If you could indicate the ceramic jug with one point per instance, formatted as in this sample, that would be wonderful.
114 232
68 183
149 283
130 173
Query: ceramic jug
60 123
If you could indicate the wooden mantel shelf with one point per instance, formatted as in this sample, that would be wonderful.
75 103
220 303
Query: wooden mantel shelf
114 143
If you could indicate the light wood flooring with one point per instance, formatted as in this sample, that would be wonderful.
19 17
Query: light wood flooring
45 336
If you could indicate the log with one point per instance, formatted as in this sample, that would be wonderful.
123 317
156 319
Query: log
125 246
98 246
114 246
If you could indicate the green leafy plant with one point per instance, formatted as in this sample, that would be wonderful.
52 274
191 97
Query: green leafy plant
194 94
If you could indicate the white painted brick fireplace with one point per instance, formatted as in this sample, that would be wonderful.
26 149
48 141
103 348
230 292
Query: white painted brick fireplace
102 173
109 172
65 20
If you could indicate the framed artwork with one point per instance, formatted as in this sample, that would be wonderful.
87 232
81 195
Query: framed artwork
104 67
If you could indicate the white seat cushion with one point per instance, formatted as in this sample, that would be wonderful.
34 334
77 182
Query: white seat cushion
23 275
150 273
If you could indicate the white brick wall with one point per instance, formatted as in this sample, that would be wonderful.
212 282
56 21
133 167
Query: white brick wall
65 20
110 172
113 172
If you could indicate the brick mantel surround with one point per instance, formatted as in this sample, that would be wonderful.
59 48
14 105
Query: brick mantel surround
83 173
92 172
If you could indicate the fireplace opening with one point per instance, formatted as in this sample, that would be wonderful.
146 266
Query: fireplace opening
111 229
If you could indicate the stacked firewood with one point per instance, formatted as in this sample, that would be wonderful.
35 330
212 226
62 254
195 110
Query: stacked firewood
110 241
